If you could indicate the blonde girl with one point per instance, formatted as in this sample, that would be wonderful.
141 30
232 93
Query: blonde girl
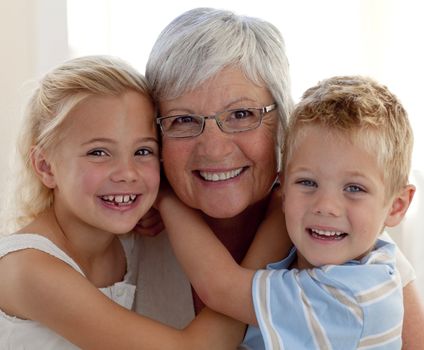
91 170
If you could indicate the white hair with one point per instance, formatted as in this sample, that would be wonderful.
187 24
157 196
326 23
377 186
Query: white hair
199 43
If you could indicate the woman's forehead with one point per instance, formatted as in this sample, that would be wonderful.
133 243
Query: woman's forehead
225 90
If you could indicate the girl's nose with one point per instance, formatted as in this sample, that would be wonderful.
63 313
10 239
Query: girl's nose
125 171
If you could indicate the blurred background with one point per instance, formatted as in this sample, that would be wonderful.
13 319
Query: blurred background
378 38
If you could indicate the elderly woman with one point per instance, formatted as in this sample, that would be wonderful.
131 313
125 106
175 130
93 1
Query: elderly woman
222 87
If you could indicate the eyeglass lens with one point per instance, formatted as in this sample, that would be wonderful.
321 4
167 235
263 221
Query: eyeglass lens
228 121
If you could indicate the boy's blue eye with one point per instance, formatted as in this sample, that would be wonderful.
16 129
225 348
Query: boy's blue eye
354 189
307 183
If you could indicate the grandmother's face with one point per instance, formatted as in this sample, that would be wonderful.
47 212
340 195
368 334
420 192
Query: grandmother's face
219 173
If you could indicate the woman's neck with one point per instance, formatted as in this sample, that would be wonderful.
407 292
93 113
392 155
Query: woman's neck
238 232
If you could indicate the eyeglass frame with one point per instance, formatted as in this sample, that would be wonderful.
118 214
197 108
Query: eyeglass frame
263 110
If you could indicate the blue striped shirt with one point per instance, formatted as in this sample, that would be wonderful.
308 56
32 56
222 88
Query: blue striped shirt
357 305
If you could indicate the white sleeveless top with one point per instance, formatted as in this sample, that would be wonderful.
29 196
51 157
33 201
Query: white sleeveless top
19 334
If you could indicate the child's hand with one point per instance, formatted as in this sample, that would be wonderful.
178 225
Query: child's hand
150 224
165 193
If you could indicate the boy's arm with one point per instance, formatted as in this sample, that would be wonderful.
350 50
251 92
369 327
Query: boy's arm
220 282
271 242
413 321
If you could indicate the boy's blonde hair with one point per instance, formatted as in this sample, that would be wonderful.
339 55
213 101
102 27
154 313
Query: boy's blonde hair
365 112
58 92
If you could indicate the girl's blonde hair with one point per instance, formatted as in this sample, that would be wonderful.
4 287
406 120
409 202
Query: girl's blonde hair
57 93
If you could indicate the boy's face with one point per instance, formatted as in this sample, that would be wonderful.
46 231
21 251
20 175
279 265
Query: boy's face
334 202
105 171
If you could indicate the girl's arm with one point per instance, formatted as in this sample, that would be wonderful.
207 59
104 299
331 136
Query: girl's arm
39 287
221 283
413 320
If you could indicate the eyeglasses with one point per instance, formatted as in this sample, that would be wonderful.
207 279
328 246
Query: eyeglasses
230 121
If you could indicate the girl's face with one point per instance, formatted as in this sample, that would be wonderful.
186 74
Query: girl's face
105 171
335 203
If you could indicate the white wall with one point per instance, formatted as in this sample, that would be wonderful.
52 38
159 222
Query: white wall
17 65
33 38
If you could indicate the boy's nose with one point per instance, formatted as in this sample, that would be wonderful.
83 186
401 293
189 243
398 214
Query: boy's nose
327 204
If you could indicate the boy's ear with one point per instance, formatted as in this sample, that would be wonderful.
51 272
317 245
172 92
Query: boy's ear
42 167
400 205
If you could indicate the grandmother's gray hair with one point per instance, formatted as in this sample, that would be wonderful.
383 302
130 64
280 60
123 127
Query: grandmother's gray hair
202 41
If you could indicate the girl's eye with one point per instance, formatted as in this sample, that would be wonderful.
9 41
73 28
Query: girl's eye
354 188
97 153
307 183
143 152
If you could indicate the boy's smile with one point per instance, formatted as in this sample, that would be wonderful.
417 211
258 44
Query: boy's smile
335 202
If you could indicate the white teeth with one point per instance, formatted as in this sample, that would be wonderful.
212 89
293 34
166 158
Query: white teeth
327 233
220 176
120 199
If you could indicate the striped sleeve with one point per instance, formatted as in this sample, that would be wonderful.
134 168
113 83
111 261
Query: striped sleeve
336 307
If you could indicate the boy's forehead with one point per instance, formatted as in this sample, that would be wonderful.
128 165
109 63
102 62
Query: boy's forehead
319 136
357 137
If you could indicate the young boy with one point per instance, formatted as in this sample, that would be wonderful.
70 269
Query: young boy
346 165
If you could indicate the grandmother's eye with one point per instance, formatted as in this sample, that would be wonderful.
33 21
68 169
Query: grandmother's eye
183 119
242 114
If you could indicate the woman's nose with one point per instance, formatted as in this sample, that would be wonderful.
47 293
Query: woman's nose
213 142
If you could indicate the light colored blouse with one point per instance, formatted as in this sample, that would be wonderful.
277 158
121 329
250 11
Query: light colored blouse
16 333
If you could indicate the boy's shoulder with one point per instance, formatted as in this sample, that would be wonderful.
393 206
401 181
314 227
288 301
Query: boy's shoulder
377 268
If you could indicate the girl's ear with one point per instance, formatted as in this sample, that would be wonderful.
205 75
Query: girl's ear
42 167
400 205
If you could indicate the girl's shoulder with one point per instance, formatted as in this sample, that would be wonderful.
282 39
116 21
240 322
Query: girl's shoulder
31 266
36 243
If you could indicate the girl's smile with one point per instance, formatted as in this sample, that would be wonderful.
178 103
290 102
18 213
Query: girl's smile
107 163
